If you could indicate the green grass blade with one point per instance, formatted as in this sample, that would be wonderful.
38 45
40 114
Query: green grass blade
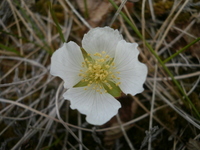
86 14
9 49
181 50
56 22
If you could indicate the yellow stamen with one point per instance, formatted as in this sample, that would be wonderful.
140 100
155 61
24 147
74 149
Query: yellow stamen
98 71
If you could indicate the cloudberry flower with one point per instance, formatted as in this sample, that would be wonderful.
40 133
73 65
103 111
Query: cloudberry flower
95 74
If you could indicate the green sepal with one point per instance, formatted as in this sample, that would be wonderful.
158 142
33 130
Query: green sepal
115 91
81 84
85 54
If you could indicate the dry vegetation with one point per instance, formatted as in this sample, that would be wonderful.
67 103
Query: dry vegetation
33 113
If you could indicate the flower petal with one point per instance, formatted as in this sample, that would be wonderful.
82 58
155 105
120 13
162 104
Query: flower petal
99 108
66 63
98 40
132 73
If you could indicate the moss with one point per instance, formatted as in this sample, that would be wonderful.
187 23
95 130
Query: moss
43 7
183 18
168 116
161 7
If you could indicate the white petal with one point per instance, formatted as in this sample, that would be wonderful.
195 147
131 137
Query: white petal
66 63
132 73
101 39
99 108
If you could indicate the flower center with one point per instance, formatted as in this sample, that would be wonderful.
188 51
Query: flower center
98 72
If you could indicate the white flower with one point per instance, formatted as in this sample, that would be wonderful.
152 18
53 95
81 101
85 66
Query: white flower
98 72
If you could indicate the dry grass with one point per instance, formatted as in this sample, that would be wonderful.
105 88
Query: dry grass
34 114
